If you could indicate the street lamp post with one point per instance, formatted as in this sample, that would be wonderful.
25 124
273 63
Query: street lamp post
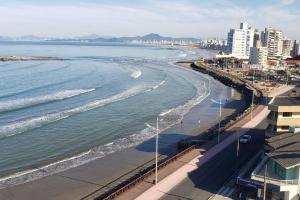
156 145
156 151
220 116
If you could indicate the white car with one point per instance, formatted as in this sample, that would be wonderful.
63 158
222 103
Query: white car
245 139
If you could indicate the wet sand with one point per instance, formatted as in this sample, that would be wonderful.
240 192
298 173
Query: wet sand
100 174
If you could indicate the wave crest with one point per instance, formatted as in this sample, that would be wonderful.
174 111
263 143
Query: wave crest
136 74
30 101
183 55
27 124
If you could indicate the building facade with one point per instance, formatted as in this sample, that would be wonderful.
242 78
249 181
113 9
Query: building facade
284 116
239 41
280 167
296 48
259 56
287 47
272 39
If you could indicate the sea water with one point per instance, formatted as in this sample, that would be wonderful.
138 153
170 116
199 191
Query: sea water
98 99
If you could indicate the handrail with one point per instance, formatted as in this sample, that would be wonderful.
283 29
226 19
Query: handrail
280 181
111 195
114 192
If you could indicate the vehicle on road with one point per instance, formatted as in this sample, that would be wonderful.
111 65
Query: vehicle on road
245 139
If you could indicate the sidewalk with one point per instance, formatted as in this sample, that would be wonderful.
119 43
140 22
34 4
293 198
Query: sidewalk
165 185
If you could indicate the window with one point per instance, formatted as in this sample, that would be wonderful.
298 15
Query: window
287 114
279 170
285 127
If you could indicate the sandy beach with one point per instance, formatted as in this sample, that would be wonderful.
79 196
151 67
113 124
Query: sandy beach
105 173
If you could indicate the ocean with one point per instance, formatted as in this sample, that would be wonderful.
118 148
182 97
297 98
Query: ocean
99 99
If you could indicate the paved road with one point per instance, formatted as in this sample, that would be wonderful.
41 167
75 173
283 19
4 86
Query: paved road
211 176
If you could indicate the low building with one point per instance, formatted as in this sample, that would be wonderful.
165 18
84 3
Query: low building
280 167
284 116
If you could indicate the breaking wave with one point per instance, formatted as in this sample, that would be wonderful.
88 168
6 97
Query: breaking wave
136 74
27 124
77 160
30 101
183 55
170 117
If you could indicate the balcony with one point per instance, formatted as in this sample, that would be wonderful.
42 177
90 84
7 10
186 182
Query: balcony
271 178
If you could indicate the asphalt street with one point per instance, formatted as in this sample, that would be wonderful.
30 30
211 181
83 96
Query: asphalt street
210 177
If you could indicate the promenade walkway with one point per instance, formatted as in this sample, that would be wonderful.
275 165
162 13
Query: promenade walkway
166 185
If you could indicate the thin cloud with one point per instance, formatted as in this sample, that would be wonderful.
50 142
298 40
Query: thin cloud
174 18
287 2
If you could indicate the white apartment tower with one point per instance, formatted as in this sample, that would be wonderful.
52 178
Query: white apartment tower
240 41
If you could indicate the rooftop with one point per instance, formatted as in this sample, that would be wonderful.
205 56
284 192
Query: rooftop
283 140
286 149
286 101
273 179
286 159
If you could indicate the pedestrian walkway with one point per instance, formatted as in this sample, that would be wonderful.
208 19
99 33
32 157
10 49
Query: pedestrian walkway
166 185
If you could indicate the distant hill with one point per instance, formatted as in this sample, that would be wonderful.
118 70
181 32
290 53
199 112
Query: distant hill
148 37
4 38
91 37
97 38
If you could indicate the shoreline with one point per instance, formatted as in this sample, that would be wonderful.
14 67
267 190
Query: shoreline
131 149
43 166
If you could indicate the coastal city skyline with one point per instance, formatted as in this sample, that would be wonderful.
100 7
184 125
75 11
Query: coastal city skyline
149 99
171 18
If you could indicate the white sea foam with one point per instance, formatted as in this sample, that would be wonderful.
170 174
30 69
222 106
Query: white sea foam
27 124
183 55
77 160
136 74
25 102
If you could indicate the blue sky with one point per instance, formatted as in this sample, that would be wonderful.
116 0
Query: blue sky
196 18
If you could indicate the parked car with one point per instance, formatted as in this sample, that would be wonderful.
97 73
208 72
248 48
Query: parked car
245 139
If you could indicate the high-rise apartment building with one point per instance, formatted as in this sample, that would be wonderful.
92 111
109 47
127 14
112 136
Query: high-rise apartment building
272 39
256 37
240 41
296 48
287 47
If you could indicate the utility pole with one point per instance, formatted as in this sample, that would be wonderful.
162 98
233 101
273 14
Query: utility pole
265 182
237 152
252 103
220 120
287 76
